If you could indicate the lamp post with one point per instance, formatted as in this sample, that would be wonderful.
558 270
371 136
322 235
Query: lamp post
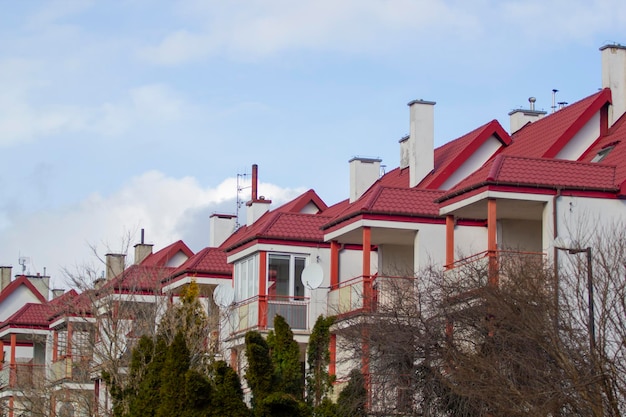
592 324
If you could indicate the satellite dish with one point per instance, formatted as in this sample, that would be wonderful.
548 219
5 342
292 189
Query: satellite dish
312 276
224 295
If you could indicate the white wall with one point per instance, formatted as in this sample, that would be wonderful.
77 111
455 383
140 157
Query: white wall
581 140
15 301
475 161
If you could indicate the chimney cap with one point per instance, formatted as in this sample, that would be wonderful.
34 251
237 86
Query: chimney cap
364 159
420 101
612 46
223 216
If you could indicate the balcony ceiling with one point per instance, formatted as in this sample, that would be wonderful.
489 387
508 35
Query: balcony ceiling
505 209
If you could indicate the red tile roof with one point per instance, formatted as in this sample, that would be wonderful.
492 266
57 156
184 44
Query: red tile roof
547 136
449 157
527 161
163 256
287 223
29 315
616 138
208 262
138 279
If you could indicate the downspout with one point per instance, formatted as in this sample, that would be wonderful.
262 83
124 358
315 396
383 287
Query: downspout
555 250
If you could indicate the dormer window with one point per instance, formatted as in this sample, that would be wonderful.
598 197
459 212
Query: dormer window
602 153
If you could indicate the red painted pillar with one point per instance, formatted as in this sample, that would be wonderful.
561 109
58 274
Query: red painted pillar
367 273
449 241
55 346
334 264
263 290
492 244
1 354
12 363
332 365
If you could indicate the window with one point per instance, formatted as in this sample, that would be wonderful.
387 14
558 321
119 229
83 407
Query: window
602 153
246 278
283 275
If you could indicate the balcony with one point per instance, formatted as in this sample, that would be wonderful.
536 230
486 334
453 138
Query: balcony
374 294
22 375
258 313
465 277
71 370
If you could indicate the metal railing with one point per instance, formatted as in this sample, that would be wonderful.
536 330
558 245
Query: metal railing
22 375
70 369
258 312
477 271
375 293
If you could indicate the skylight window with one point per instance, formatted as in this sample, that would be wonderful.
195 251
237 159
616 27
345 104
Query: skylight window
602 153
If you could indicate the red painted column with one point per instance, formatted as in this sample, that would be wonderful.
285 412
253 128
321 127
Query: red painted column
234 360
367 273
332 365
449 241
12 364
334 264
492 244
68 345
1 354
96 395
55 345
263 290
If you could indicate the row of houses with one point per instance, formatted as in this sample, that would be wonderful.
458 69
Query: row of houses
487 194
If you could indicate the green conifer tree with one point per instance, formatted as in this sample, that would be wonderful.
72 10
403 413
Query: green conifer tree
260 372
285 354
319 381
353 398
227 396
173 379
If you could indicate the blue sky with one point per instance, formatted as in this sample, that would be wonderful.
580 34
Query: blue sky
129 114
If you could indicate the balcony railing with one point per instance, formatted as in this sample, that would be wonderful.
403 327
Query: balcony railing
464 277
70 369
259 312
369 294
22 375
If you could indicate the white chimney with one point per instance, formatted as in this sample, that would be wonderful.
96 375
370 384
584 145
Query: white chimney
363 173
5 276
421 142
614 77
258 205
142 250
520 117
57 292
41 282
221 226
115 263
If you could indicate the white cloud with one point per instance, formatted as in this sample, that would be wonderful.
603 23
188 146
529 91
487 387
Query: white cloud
153 201
267 27
21 120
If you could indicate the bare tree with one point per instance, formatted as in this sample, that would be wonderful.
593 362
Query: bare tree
497 337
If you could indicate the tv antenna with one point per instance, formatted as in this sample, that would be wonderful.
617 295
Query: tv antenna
241 179
23 260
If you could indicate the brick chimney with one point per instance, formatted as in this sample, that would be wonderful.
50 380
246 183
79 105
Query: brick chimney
363 173
417 151
520 117
115 263
614 77
258 205
5 276
142 250
221 226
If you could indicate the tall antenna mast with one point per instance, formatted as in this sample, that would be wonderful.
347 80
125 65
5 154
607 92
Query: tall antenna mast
241 180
